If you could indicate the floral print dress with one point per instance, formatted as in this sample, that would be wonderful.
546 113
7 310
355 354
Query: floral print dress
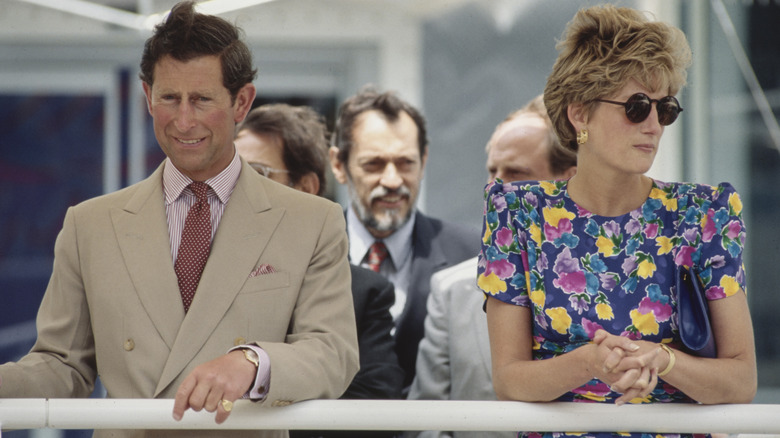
580 272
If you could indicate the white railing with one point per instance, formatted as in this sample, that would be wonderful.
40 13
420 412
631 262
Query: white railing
395 415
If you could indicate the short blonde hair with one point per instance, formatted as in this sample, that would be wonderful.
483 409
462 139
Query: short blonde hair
603 47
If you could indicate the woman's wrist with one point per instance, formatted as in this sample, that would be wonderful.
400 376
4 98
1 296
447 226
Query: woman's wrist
672 360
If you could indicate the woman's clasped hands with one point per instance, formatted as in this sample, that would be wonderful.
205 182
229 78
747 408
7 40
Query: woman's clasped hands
629 367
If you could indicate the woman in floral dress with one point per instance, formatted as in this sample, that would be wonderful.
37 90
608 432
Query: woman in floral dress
579 274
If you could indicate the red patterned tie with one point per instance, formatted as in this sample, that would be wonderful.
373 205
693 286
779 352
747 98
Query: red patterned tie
376 255
195 244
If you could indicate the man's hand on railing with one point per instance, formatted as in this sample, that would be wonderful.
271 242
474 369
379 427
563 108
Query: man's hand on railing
215 385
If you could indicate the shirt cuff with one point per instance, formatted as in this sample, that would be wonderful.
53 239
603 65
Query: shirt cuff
259 389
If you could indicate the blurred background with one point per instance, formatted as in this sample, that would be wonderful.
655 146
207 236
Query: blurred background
74 124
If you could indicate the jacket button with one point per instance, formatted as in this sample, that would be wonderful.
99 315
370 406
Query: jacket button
239 341
129 345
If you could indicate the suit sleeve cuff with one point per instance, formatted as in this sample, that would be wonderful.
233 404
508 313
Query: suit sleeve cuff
259 389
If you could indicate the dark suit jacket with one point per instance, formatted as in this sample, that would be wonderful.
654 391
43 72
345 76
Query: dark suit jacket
436 245
380 376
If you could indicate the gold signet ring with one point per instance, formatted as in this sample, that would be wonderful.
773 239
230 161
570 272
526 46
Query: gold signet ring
227 405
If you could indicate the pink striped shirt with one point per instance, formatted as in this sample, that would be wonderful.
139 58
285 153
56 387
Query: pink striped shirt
178 200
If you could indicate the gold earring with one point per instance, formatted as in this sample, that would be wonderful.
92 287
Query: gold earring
582 136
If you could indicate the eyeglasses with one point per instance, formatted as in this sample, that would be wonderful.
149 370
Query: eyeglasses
638 107
266 171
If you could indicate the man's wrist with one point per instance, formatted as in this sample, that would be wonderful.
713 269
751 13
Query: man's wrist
259 388
251 356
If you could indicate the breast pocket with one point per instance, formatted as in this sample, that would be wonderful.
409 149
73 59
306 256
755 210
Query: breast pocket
266 282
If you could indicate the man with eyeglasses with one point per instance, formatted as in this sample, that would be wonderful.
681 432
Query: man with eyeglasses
288 144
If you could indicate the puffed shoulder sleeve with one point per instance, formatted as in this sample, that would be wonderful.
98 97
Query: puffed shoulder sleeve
503 258
717 212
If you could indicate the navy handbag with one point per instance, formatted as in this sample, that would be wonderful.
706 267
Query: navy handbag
693 313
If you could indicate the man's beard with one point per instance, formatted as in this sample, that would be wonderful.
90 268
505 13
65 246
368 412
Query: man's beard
392 220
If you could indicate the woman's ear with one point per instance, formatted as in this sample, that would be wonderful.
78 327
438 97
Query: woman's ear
578 116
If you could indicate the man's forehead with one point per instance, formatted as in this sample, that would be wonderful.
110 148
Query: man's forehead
524 124
173 73
376 137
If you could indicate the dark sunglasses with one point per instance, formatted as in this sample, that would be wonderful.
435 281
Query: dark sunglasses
638 107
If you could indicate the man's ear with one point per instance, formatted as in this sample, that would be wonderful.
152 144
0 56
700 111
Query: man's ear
244 99
423 161
578 116
338 168
148 94
309 183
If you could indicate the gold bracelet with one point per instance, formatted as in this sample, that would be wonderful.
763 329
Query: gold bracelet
672 360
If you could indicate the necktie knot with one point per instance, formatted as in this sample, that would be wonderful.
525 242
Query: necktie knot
200 189
377 253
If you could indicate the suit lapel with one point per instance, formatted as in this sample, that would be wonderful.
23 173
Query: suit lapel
247 225
142 233
427 257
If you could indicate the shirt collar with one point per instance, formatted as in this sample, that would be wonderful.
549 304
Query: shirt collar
174 182
399 244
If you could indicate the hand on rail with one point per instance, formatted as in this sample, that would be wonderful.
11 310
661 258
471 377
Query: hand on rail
628 367
227 377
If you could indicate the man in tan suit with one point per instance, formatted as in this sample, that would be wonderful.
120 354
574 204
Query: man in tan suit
267 318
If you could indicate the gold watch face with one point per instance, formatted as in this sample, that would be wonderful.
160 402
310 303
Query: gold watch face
252 356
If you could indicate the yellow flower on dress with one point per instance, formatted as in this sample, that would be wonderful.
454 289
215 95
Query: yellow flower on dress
549 187
604 311
644 322
486 237
664 244
553 215
595 397
536 234
729 285
669 202
640 400
538 297
735 202
491 283
560 319
605 246
646 268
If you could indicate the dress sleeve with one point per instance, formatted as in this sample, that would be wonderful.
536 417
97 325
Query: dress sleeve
503 258
717 249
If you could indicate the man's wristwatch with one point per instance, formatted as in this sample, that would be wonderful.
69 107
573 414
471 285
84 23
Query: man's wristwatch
251 356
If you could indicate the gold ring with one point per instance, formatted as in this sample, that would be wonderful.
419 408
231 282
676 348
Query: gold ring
227 405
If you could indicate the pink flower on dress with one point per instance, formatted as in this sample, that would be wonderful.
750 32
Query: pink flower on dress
734 228
501 267
651 230
599 389
715 293
708 230
504 237
683 257
661 311
552 233
571 283
590 327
